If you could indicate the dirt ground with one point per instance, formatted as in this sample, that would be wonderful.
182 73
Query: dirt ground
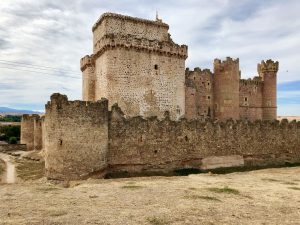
270 196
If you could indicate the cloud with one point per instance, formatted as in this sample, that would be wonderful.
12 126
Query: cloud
58 33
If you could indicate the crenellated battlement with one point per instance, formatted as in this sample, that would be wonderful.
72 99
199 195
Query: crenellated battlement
61 102
86 61
220 64
128 18
267 66
140 44
198 71
254 81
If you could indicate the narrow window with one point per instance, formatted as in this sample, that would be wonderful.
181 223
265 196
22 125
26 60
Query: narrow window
246 99
156 67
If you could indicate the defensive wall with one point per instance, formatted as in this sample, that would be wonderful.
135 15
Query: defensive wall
31 131
85 138
223 95
76 138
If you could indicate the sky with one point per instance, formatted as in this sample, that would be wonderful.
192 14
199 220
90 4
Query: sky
41 42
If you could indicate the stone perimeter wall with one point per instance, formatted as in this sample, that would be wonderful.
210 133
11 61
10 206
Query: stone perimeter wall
83 138
76 138
138 145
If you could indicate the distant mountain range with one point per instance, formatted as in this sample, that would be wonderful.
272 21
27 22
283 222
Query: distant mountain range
6 110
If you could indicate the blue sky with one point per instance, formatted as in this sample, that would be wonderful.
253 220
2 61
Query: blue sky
56 34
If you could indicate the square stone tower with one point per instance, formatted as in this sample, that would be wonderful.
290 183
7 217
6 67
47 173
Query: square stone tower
136 64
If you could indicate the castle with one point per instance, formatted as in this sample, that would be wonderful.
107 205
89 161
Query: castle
136 64
143 112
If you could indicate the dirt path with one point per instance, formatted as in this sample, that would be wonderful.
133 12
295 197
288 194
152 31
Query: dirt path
270 196
9 175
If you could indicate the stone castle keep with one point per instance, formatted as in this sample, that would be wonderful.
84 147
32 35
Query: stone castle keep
144 112
136 64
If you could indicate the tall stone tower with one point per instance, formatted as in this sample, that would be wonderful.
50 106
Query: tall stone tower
136 64
268 72
226 88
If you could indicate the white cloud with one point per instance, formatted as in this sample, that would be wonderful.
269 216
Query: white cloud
58 33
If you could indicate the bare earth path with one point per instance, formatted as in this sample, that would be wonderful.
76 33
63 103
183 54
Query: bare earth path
270 196
9 175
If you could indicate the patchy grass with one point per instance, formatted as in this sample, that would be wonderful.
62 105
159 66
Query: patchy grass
156 221
204 197
93 196
30 170
131 186
56 213
192 188
295 188
2 167
225 190
290 183
270 180
47 189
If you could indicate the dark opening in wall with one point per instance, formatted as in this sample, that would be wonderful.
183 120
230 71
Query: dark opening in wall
156 67
186 138
246 99
155 151
60 142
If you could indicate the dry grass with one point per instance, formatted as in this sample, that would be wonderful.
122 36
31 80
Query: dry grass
2 167
132 186
176 200
56 213
270 180
224 190
204 197
156 221
295 188
30 170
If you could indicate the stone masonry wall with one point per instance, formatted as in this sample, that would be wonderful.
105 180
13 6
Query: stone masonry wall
136 64
76 138
141 83
226 88
31 132
199 94
141 145
251 99
116 24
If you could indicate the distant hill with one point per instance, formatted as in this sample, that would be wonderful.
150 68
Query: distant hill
6 110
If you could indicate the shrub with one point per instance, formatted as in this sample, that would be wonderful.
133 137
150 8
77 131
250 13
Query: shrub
12 140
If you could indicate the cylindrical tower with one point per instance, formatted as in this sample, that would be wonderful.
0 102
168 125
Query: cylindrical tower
88 78
226 88
268 72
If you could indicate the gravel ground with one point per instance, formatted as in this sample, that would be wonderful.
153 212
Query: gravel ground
270 196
